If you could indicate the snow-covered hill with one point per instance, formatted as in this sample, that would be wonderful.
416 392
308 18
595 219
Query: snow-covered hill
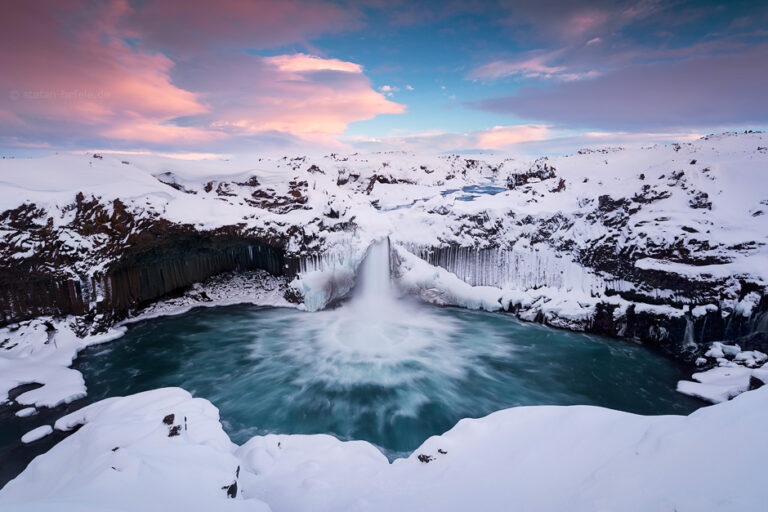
663 244
164 450
666 244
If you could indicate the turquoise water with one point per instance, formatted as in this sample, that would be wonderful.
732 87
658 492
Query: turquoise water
392 379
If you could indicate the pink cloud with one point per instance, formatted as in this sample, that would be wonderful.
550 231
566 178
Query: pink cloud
77 77
305 96
300 62
496 138
188 26
577 22
583 24
536 65
90 80
706 91
501 136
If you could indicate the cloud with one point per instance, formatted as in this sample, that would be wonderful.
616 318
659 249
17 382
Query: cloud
498 137
535 65
502 136
305 96
704 91
389 90
567 21
532 67
184 27
84 78
528 141
300 62
80 78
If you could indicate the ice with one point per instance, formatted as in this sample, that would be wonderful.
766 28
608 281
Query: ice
438 286
36 434
729 378
30 356
538 458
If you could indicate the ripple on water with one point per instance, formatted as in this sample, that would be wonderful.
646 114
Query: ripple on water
391 377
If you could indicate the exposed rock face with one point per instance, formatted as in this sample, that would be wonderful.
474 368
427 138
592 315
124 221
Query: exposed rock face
139 260
665 244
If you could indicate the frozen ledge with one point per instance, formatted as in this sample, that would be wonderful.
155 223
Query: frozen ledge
164 450
732 371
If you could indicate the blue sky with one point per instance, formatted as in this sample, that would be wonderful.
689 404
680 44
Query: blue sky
282 75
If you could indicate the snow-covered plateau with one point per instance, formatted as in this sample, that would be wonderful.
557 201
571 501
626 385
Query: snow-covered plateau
664 244
164 450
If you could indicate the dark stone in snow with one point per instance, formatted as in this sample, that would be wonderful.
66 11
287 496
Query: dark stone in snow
175 431
231 490
168 420
425 458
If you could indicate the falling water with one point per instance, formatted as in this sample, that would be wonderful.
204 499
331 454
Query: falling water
374 286
688 337
380 368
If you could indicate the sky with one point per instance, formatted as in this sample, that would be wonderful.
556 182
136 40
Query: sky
198 78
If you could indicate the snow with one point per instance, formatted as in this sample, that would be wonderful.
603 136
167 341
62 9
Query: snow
731 375
258 288
519 240
718 384
522 248
575 458
438 286
26 412
40 351
36 434
124 459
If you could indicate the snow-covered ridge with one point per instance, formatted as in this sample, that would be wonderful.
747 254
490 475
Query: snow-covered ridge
601 237
164 450
665 244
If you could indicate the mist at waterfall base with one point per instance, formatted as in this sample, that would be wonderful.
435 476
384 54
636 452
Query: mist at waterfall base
389 371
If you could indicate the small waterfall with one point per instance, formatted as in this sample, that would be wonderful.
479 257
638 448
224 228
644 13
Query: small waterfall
689 340
373 277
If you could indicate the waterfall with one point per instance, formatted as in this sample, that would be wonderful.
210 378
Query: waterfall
688 336
373 277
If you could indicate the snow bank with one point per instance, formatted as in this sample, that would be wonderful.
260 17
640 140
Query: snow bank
731 375
158 450
580 458
257 287
36 434
40 351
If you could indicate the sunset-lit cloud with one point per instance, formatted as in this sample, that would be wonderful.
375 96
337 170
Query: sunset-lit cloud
308 97
78 80
704 91
502 136
300 62
89 81
188 76
183 27
496 138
